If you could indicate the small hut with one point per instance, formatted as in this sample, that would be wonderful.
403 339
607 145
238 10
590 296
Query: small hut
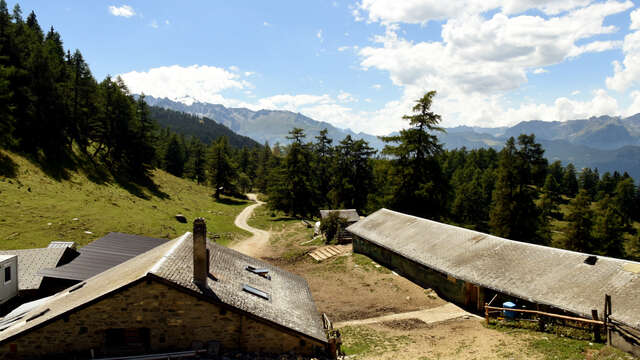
350 215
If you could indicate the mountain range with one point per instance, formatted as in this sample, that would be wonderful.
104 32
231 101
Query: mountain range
607 143
264 125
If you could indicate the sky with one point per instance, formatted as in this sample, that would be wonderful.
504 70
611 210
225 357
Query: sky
362 64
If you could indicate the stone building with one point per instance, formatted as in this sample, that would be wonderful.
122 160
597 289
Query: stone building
470 268
185 292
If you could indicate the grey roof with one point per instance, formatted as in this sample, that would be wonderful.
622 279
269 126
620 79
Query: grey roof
102 254
539 274
351 215
32 261
290 304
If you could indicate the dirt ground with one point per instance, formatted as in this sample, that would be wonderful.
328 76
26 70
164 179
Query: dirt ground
349 287
455 339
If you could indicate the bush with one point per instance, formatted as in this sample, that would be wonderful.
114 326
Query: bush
331 225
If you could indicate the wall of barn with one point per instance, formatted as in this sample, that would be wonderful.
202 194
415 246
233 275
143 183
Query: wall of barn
448 287
175 321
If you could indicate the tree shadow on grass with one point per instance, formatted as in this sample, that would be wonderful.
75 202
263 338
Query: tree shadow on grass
8 168
230 200
141 188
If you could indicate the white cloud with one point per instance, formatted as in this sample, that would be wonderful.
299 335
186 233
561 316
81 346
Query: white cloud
196 82
266 23
575 92
423 11
481 59
167 22
249 73
628 73
234 68
154 24
376 86
345 97
320 36
124 11
540 71
635 20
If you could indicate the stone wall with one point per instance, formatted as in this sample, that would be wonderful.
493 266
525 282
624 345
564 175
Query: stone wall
175 321
452 289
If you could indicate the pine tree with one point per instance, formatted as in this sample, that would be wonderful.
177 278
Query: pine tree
196 167
569 181
174 157
514 214
323 156
550 199
222 172
608 229
419 185
580 218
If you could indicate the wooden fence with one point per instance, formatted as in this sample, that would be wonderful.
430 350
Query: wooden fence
595 323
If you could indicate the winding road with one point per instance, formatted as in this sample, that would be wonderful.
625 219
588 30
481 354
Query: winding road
256 244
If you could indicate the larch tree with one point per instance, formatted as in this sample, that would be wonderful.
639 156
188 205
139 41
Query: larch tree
419 185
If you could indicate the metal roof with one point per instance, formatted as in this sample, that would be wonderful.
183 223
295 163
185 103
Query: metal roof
290 304
103 254
539 274
32 261
351 215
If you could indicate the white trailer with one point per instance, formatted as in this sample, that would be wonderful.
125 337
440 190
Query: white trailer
8 277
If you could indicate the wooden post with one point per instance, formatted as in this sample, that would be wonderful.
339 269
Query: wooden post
486 312
607 313
596 328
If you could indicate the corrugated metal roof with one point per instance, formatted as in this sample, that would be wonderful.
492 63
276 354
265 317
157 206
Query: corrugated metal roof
539 274
102 254
290 306
351 215
32 261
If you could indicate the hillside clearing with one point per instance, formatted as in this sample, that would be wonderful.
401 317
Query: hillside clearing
36 209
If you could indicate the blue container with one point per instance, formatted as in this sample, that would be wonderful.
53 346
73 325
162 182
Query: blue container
509 314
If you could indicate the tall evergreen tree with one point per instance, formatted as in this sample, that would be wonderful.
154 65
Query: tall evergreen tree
323 156
294 180
514 214
608 229
569 181
174 157
578 234
222 170
419 185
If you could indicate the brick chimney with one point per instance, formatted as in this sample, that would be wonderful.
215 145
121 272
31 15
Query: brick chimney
200 253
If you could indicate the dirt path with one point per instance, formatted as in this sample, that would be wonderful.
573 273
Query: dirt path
255 245
442 313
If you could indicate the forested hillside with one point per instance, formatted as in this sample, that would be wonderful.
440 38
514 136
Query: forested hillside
204 129
53 111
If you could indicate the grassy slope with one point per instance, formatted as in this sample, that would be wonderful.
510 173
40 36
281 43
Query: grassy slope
32 200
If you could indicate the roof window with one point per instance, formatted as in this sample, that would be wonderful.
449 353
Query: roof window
259 271
591 260
253 291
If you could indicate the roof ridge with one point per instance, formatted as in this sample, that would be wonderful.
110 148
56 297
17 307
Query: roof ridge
173 248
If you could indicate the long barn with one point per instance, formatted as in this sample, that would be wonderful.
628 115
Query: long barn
469 268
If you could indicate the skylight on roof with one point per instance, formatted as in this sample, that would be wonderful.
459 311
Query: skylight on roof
253 291
259 271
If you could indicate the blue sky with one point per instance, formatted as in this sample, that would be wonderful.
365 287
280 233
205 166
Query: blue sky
361 64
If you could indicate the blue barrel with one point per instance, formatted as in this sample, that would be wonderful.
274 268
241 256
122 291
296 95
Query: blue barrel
509 314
